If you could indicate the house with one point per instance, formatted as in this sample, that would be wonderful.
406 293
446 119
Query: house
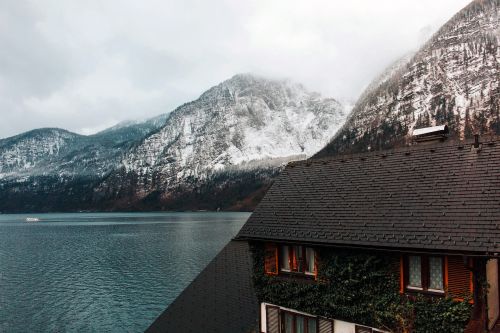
403 240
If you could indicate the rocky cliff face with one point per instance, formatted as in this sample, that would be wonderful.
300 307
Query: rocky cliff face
242 123
454 79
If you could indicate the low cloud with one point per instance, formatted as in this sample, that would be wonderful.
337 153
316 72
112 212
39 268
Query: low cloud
86 65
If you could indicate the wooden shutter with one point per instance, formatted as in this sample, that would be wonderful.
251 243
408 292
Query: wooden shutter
325 325
271 259
458 276
401 274
272 319
315 264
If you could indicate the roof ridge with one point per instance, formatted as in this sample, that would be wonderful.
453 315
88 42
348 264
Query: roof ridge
415 147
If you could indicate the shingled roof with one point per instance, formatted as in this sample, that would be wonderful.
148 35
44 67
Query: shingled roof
220 299
442 197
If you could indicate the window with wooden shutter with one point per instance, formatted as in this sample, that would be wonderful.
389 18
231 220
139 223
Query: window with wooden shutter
271 259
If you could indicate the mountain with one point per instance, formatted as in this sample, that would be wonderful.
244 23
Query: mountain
453 79
130 131
49 151
243 125
219 151
27 152
52 169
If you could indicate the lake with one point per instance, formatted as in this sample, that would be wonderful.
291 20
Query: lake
106 272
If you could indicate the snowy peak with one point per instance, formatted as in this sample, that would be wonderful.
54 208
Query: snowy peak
241 121
453 79
130 131
248 85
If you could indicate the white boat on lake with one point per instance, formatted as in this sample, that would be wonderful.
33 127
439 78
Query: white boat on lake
32 219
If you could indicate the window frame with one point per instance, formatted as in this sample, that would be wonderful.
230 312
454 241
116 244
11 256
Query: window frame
424 274
294 315
408 286
292 257
443 267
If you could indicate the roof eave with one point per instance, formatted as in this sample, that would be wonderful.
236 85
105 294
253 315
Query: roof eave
381 248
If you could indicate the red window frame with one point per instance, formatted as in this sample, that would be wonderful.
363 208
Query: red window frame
297 266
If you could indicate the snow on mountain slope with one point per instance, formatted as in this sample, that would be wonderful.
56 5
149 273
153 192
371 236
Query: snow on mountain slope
53 151
240 121
24 152
131 130
221 150
452 79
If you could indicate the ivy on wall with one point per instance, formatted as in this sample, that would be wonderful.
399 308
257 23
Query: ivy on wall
362 288
440 315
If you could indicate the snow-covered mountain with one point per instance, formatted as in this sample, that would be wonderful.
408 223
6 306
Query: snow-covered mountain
131 130
235 135
24 153
54 151
454 79
241 123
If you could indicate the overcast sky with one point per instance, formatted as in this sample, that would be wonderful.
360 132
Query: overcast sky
86 65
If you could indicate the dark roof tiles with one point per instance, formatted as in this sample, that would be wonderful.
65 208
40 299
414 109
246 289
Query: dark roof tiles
438 197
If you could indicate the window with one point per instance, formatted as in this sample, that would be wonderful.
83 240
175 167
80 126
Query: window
364 329
310 259
436 273
424 273
298 259
282 320
414 272
311 325
297 323
285 258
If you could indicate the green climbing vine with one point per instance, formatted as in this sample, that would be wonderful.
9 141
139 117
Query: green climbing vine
363 288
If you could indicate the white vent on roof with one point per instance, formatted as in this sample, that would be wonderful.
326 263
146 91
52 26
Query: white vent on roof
435 130
430 133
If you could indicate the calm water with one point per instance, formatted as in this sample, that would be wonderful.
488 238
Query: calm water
102 272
